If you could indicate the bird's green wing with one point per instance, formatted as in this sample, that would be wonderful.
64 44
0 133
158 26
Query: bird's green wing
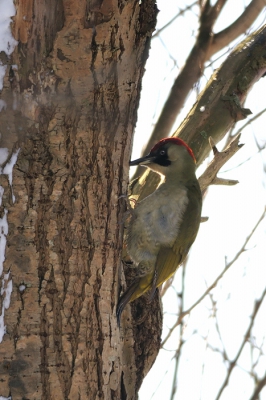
169 259
166 264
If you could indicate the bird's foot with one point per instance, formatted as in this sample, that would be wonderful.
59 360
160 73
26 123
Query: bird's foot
128 200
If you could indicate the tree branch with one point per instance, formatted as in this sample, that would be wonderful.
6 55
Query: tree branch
260 385
220 104
189 75
205 46
181 12
237 28
220 158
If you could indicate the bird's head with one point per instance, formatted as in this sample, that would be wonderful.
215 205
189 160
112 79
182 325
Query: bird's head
169 156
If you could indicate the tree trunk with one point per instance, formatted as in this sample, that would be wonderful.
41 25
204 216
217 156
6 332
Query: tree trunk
71 110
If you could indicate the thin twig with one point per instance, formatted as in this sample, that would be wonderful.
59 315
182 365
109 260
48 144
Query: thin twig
181 341
238 132
246 338
181 12
241 250
223 353
220 158
243 162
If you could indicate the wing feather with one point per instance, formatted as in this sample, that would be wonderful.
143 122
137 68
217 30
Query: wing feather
169 259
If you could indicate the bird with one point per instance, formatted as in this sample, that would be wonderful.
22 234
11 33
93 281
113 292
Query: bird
163 225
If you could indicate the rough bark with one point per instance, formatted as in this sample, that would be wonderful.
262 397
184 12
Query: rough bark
71 109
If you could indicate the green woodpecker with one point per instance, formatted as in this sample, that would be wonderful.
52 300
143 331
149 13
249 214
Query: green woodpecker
164 225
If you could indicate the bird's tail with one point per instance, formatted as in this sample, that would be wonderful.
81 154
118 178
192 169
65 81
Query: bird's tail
140 286
125 298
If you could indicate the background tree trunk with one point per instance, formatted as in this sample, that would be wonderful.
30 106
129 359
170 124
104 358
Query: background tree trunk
71 110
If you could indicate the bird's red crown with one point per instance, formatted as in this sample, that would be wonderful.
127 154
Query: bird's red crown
177 141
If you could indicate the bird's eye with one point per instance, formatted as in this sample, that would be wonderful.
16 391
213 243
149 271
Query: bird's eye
162 153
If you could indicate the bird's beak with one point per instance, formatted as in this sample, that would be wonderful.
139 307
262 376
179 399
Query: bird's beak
143 160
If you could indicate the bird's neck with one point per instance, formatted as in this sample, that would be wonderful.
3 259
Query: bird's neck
182 176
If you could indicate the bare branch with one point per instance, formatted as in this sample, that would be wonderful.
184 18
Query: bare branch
222 181
205 46
246 160
181 341
213 146
222 101
220 158
188 76
181 12
256 116
166 285
224 352
232 364
237 28
260 385
233 134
